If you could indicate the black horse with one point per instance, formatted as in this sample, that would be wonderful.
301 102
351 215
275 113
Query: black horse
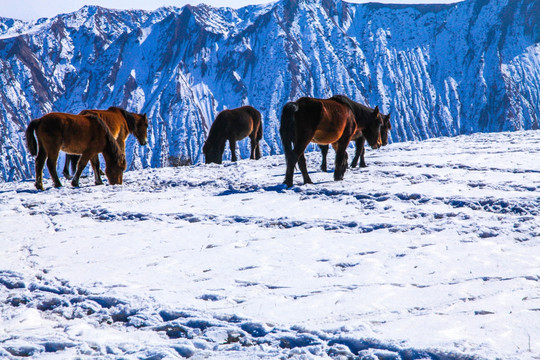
325 121
233 125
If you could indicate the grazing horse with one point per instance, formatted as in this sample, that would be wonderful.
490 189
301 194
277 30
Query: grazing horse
324 121
121 123
360 139
233 125
86 135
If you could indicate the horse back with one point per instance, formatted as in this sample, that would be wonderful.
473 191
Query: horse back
256 119
236 124
69 133
328 120
114 120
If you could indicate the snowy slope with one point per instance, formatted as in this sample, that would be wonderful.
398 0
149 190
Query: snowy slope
432 252
438 69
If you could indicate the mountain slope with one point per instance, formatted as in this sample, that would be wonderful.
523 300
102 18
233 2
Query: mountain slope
438 69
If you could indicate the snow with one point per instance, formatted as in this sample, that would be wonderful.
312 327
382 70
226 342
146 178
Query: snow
431 252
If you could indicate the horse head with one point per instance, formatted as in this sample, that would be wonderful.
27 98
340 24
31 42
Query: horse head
212 153
385 128
115 170
372 132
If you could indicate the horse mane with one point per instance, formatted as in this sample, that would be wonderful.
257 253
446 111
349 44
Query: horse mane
112 146
130 119
361 112
217 127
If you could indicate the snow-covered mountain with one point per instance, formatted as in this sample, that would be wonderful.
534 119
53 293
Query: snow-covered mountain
438 69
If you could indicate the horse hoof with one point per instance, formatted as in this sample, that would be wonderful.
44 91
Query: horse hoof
39 186
99 183
75 183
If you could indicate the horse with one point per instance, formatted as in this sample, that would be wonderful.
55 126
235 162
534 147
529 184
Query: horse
325 121
233 125
86 135
360 139
121 123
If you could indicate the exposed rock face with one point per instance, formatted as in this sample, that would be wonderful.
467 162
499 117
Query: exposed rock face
440 70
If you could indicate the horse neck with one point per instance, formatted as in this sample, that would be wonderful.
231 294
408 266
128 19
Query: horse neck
217 134
130 122
216 139
363 115
112 149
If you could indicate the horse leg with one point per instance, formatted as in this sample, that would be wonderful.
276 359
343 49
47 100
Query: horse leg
97 170
40 163
303 168
51 165
232 145
299 152
81 164
254 143
291 163
324 152
66 167
362 152
297 155
341 162
359 152
257 151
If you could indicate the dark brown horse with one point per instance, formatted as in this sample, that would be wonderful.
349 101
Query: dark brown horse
325 121
86 135
233 125
121 123
360 139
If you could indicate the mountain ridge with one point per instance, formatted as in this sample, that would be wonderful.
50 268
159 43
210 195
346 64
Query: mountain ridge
440 70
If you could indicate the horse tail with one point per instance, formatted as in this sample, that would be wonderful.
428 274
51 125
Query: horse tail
255 114
31 142
287 130
260 132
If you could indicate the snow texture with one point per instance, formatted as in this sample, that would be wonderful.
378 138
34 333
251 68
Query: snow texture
432 252
440 70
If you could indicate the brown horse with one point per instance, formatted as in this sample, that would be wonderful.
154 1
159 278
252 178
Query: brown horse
233 125
121 123
86 135
360 139
325 121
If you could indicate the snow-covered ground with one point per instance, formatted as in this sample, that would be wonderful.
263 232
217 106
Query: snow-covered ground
432 252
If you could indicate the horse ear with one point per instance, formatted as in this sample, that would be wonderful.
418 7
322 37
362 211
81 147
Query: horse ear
376 111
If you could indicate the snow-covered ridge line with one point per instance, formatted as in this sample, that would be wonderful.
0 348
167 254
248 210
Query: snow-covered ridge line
440 70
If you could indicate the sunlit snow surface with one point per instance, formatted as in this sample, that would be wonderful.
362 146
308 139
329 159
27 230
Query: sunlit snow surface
432 252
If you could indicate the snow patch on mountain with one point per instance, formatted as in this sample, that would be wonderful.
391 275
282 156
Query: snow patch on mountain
437 69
